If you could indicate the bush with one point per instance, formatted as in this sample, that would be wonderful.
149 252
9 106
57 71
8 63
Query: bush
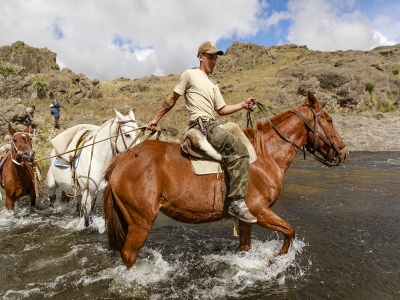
369 87
41 85
6 69
395 72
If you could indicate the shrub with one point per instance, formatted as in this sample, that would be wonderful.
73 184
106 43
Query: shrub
6 69
41 85
395 72
369 87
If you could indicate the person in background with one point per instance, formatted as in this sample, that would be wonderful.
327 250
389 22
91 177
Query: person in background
203 98
55 112
28 121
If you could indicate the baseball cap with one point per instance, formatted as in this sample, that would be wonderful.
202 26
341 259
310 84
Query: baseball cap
210 48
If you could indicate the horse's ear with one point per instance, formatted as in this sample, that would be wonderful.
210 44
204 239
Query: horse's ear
118 114
11 129
132 115
312 101
27 129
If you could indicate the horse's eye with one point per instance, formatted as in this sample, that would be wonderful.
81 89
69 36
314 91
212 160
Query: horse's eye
127 135
330 121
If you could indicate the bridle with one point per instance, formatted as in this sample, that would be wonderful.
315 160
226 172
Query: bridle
31 167
327 139
18 151
334 148
122 134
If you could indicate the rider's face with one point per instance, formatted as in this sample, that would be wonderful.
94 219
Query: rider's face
208 62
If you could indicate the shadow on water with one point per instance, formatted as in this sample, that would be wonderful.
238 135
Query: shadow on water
347 223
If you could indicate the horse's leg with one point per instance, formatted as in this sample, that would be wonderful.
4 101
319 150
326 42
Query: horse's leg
51 185
245 230
9 202
137 234
87 203
32 196
268 219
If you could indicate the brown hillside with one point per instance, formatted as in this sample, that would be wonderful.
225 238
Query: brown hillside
346 82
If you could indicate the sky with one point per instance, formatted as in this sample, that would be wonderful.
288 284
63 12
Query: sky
106 39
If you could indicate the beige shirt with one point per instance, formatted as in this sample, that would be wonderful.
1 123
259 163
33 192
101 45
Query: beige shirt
202 95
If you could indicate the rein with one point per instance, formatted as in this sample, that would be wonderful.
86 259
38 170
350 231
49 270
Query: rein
139 128
113 145
19 152
306 149
31 167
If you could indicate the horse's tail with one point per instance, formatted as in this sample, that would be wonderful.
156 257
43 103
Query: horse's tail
115 221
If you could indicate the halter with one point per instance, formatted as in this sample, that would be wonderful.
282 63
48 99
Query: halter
121 133
19 152
334 147
30 166
310 151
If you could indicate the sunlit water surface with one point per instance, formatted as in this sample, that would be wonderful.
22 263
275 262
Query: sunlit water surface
347 221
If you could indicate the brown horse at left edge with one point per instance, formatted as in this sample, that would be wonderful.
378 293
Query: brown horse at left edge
18 169
158 177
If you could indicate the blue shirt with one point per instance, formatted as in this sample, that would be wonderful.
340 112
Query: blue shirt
55 112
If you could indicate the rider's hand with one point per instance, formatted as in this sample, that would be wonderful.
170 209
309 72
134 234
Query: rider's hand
249 103
152 125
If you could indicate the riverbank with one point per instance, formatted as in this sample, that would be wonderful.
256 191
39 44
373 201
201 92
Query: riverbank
369 131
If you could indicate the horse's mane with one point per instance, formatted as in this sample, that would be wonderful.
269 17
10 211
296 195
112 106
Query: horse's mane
106 123
255 135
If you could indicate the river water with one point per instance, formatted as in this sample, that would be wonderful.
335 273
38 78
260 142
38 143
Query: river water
347 221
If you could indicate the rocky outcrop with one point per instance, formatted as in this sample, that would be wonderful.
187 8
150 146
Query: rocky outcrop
359 88
33 60
338 78
342 77
28 72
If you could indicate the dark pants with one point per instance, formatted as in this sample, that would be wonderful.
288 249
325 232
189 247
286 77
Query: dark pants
56 124
235 157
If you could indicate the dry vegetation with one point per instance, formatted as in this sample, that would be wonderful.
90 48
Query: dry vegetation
249 70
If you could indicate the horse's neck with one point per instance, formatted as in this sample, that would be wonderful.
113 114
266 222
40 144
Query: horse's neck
281 151
17 165
102 139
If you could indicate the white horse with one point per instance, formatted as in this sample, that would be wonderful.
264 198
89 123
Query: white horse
85 177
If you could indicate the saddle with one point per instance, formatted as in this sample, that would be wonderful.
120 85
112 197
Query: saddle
204 158
66 142
3 157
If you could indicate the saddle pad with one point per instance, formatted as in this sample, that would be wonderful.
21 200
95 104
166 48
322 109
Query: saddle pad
60 162
66 141
203 167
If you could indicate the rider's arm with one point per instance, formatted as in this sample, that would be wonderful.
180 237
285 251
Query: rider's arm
231 108
165 107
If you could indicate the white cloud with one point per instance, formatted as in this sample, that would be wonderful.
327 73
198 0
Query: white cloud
109 39
123 38
332 25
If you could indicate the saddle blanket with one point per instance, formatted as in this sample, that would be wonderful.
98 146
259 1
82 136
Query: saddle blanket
203 167
65 142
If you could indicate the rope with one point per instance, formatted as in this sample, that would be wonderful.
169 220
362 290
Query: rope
139 128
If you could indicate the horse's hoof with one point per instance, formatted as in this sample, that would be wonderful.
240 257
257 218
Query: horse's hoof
41 207
244 248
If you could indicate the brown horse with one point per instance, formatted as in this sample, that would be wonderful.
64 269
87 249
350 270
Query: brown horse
19 169
160 177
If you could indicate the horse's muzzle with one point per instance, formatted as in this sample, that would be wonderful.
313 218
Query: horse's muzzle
29 155
341 157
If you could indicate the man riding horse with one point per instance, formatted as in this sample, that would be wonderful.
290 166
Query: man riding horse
203 97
